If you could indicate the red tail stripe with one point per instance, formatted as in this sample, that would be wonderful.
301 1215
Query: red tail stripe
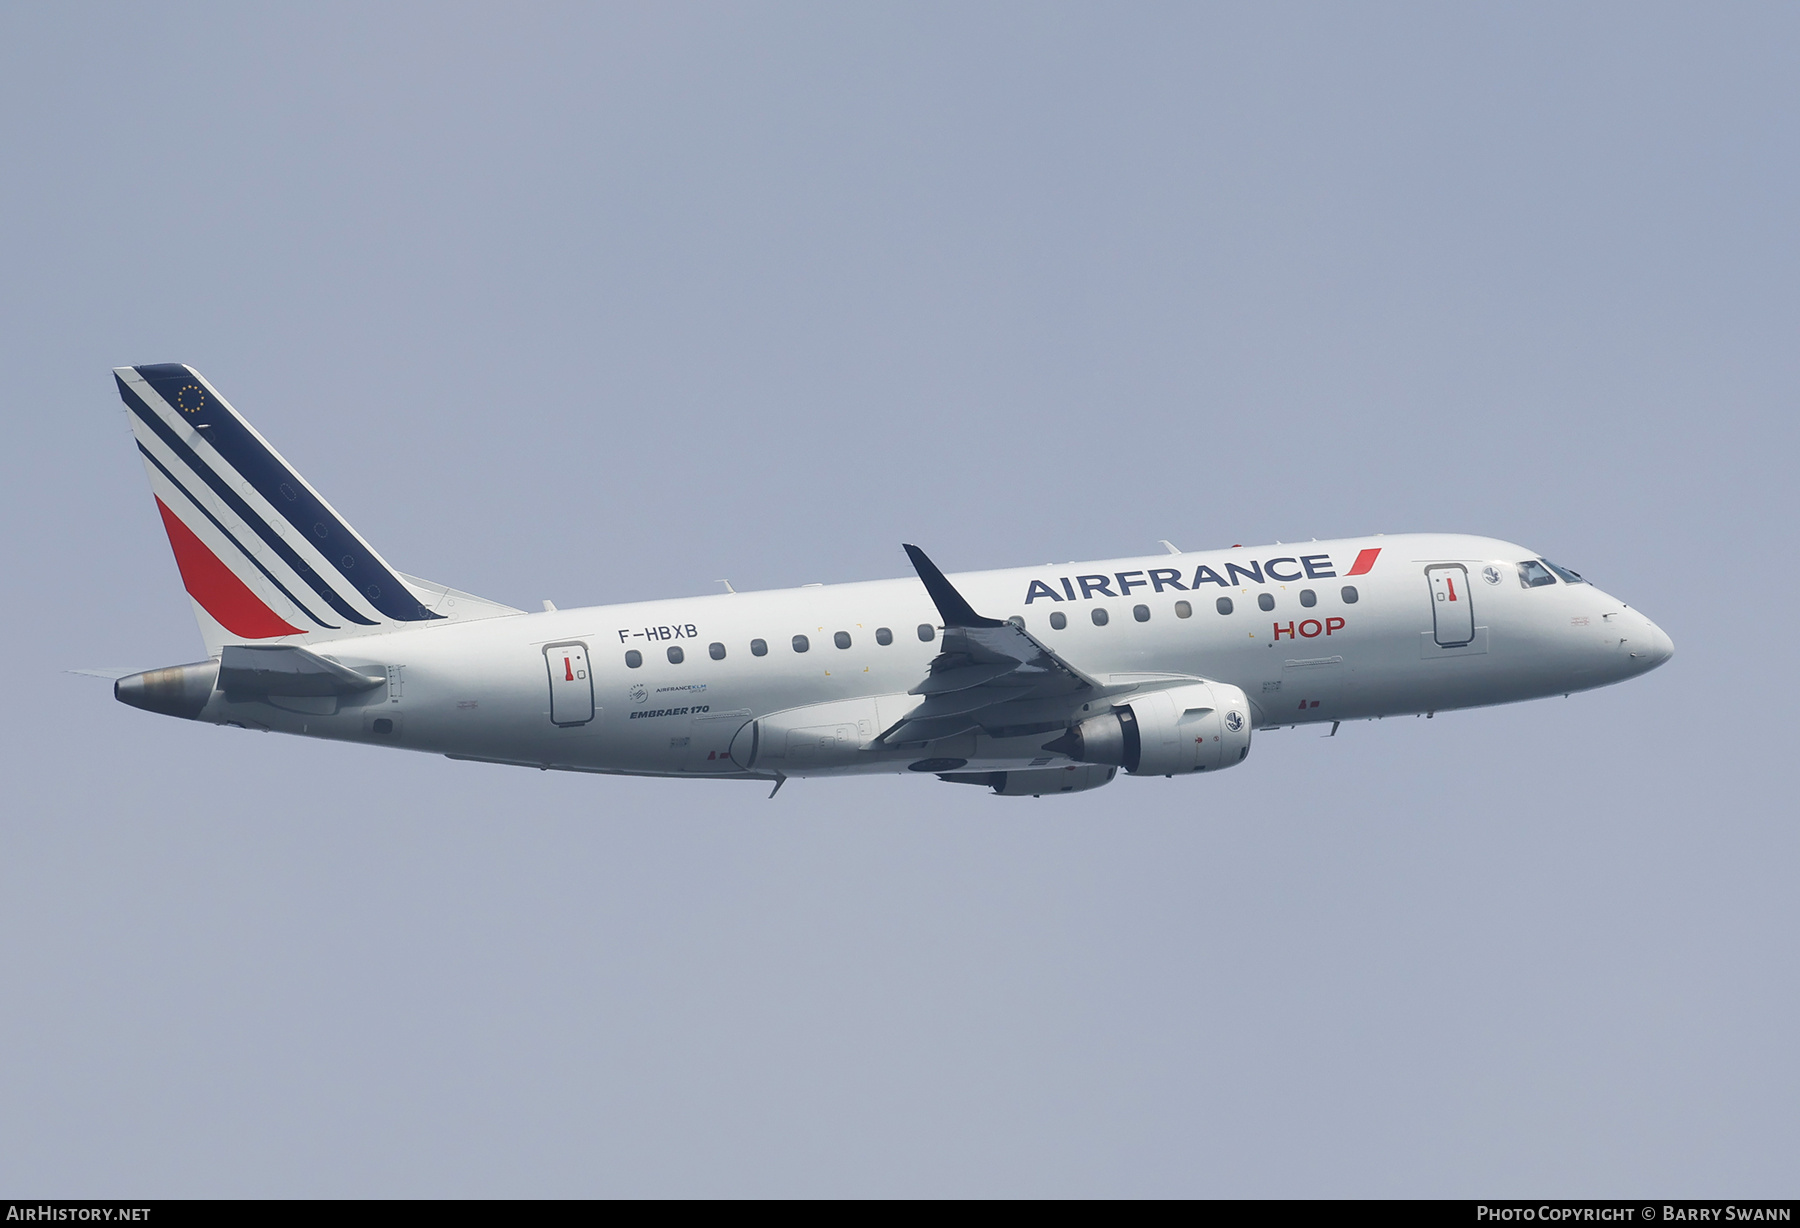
218 591
1364 561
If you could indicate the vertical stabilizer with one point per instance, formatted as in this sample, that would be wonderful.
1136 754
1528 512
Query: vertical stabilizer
262 554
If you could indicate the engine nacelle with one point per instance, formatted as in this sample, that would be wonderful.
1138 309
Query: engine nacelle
1204 726
1037 782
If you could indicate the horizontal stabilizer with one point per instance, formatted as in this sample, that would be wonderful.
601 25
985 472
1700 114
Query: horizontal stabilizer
288 670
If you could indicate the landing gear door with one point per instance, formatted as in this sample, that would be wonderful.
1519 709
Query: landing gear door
1452 616
571 684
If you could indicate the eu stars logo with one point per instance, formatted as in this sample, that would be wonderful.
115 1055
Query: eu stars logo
191 398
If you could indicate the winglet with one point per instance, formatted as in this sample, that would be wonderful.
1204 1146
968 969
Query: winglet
956 610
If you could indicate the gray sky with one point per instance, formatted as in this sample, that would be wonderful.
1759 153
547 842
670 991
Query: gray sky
600 303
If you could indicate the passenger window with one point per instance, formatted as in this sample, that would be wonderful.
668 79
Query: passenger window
1183 610
927 632
716 651
1349 594
883 636
1100 616
675 654
1058 620
1141 613
1308 598
801 643
1533 574
759 648
633 659
1265 601
1223 605
841 639
1569 577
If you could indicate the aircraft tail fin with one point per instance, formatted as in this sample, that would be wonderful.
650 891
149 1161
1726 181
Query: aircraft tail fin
262 554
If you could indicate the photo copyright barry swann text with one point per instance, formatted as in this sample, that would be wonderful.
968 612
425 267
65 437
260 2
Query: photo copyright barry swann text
1633 1213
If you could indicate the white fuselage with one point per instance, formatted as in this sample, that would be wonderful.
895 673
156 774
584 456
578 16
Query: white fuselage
506 689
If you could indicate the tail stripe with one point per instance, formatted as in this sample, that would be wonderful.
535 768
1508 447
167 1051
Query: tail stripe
284 491
236 503
232 538
219 592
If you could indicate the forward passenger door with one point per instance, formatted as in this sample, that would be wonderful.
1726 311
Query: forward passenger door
1452 614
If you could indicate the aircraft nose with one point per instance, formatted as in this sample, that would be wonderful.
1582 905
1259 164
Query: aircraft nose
1658 649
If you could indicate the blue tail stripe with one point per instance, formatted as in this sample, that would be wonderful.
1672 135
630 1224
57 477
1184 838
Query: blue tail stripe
236 503
232 538
285 492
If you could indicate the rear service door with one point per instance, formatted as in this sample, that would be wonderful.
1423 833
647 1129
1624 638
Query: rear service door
571 684
1452 617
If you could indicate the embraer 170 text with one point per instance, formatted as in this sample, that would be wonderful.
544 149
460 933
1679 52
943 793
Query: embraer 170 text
1030 681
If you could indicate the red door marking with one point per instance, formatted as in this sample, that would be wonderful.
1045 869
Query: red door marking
568 671
1451 585
219 592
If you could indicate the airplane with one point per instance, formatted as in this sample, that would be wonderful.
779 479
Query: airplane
1027 681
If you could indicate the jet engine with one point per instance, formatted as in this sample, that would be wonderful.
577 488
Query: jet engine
1201 727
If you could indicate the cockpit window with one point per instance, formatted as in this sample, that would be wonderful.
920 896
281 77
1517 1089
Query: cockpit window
1533 574
1569 577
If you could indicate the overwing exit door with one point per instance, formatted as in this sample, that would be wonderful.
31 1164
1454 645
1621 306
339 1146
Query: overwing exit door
571 684
1452 615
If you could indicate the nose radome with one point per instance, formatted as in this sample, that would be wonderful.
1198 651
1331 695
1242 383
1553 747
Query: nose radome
1658 648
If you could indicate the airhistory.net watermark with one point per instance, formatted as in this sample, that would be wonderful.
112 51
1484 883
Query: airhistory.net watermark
56 1213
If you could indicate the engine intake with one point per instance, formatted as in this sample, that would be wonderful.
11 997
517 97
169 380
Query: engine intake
1196 728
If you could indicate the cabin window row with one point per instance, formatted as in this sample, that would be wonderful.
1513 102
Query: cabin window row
760 648
1058 621
1224 605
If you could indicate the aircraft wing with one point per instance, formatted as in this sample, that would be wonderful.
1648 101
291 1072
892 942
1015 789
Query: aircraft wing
989 674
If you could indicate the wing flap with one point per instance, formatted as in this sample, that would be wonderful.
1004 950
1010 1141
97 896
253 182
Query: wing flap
962 677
